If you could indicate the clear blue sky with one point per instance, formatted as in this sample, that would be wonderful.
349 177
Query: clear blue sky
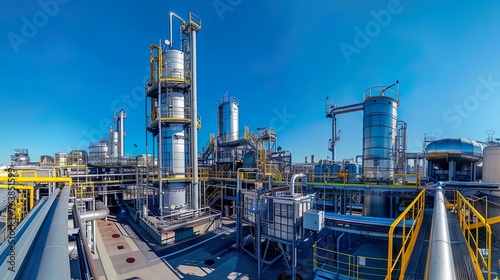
67 66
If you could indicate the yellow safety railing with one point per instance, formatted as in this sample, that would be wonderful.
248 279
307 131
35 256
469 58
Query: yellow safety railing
406 179
85 190
469 218
349 266
194 20
415 214
29 189
213 195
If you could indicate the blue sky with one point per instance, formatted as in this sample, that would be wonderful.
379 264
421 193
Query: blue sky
67 64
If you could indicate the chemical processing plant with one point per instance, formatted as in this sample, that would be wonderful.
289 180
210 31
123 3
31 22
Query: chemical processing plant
238 207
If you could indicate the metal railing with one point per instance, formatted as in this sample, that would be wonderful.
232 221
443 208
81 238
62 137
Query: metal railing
347 265
168 115
414 213
381 91
469 218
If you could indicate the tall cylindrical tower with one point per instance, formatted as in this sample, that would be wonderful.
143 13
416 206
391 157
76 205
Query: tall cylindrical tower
379 132
172 119
228 118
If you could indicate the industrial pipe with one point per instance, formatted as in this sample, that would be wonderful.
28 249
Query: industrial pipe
54 263
440 263
172 14
348 109
100 212
194 123
292 182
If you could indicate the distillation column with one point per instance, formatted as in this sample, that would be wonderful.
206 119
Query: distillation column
173 121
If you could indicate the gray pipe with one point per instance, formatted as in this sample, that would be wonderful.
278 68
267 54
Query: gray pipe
100 212
348 109
54 263
440 263
292 182
194 123
172 14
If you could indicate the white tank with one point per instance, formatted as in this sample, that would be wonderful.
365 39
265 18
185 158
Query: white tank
228 118
491 164
113 141
173 64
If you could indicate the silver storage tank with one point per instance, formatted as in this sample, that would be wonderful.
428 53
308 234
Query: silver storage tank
173 64
228 118
491 164
376 204
379 132
174 141
113 141
460 150
174 197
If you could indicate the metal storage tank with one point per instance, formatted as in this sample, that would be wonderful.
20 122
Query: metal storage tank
379 132
174 196
376 204
317 169
173 64
335 168
228 118
491 164
113 142
99 150
352 168
174 141
460 150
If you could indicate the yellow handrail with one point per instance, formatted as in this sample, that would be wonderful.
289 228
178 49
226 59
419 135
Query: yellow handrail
470 230
409 236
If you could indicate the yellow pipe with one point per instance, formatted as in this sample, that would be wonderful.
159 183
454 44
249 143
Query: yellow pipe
4 178
490 221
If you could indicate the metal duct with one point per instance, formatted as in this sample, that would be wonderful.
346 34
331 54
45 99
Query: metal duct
100 212
292 182
440 263
54 263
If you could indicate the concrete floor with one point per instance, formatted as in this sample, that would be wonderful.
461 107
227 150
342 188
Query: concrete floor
211 256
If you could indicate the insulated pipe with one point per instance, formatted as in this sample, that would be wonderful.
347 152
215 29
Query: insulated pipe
440 263
348 109
172 14
292 182
54 263
100 212
194 123
334 111
338 252
121 133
